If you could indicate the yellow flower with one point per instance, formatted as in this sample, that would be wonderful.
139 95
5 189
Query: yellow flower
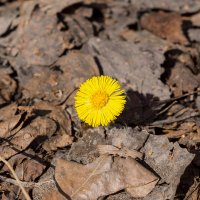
99 100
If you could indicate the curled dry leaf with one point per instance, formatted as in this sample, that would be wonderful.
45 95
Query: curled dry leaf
8 111
103 177
57 113
38 127
26 166
7 126
56 142
165 25
7 87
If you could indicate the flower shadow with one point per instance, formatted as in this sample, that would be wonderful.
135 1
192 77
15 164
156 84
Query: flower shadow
140 109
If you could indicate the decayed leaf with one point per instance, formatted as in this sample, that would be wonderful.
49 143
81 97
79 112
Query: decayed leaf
169 161
102 177
127 137
47 189
165 25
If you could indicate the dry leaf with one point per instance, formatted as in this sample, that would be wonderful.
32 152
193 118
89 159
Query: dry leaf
182 6
141 65
169 161
59 82
182 80
103 177
122 152
39 40
27 166
7 126
7 87
56 142
8 111
38 127
165 25
57 113
55 6
195 19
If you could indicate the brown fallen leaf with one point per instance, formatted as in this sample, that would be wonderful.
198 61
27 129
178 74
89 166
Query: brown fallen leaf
80 29
53 195
7 126
122 152
57 113
58 141
8 111
6 20
183 6
38 127
59 82
165 25
55 6
195 19
141 66
27 168
106 175
7 86
47 189
41 47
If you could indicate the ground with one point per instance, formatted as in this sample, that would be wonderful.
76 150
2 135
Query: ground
48 48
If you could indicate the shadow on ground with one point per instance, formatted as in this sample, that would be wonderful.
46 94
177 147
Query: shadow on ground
140 109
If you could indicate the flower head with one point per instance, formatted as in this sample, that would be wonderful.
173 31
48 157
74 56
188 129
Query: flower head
99 100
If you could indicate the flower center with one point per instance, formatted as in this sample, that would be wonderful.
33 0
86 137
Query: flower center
99 99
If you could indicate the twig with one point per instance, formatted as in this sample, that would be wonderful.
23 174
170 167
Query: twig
166 109
170 121
16 178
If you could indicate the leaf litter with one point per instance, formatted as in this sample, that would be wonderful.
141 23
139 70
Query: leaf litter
48 48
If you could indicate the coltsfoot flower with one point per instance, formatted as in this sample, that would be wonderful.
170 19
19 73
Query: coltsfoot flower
99 100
